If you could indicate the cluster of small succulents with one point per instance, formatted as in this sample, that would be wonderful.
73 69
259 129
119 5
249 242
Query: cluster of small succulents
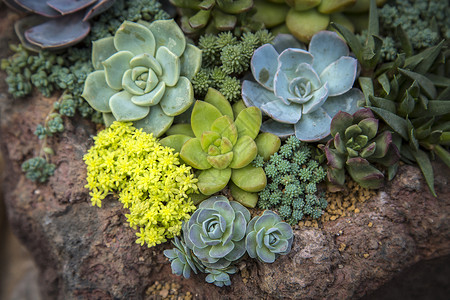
148 178
293 175
224 58
38 169
218 235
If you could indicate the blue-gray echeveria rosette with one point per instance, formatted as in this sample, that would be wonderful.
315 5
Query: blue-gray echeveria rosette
143 75
182 260
302 90
216 232
268 237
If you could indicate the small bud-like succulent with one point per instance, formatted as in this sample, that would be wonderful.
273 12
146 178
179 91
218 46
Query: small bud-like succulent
216 232
302 90
220 277
183 262
143 75
356 144
268 237
224 147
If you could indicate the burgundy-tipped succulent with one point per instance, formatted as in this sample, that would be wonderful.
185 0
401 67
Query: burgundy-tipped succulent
358 148
55 24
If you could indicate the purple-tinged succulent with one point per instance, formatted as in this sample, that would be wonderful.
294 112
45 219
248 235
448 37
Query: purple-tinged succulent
56 24
302 90
355 146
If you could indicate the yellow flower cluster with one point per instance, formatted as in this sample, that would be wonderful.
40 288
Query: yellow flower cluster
148 178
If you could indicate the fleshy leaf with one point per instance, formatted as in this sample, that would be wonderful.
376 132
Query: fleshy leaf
170 64
244 151
213 180
156 122
203 115
174 141
289 59
193 154
168 34
347 102
145 60
267 144
283 113
135 38
340 75
124 110
152 98
115 66
97 92
314 126
177 99
248 122
319 97
217 99
226 128
341 121
249 178
190 61
220 161
364 173
265 255
254 94
326 47
245 198
279 129
101 50
264 65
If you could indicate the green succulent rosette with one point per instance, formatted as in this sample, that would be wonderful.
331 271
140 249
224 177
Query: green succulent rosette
182 260
143 75
216 232
268 237
222 146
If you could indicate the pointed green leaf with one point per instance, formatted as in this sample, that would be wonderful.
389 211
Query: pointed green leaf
397 123
425 83
407 105
422 62
404 40
373 28
385 83
443 154
366 84
352 40
425 166
435 108
382 103
193 154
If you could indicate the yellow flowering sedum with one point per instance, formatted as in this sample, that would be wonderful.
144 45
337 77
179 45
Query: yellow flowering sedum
148 178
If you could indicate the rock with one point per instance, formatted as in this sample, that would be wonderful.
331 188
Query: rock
90 253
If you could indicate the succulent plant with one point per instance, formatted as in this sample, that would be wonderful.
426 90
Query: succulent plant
216 232
299 90
224 146
182 259
143 75
57 23
212 16
356 146
268 237
220 277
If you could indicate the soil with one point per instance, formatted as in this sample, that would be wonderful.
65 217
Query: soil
85 252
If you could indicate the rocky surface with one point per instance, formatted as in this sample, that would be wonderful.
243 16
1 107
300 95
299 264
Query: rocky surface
85 252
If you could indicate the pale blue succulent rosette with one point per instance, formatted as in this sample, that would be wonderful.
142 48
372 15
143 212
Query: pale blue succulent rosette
301 90
143 75
268 237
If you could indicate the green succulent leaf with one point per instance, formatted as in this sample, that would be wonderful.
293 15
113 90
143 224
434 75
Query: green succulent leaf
397 123
203 116
245 198
101 50
108 118
168 34
200 19
369 127
404 40
145 60
425 166
385 83
422 62
217 99
208 138
135 38
425 83
97 91
156 122
245 152
177 99
249 178
366 85
115 66
175 141
213 180
124 110
350 38
435 108
443 154
383 103
340 123
152 98
223 21
190 61
220 161
248 122
193 154
364 173
267 144
226 128
170 64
